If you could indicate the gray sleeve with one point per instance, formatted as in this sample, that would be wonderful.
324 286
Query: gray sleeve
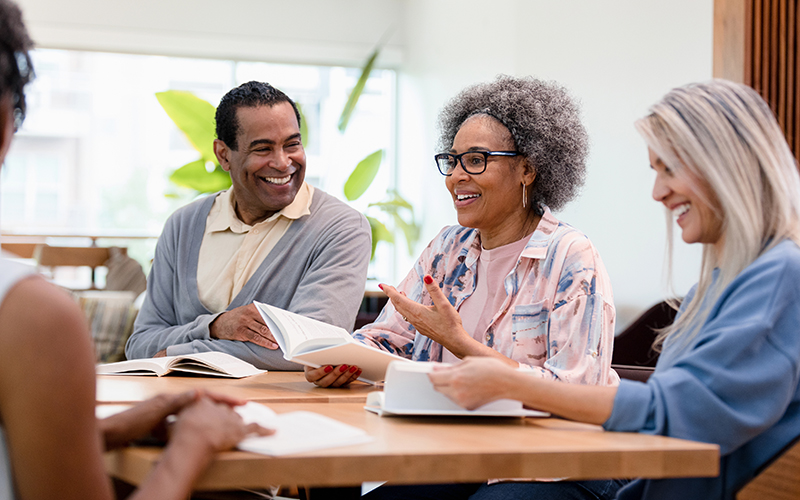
332 287
157 325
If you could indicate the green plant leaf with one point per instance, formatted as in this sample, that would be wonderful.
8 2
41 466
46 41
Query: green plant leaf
350 106
363 175
391 206
195 176
410 230
303 126
379 233
195 118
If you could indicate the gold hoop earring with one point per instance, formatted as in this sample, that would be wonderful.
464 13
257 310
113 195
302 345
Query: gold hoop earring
524 201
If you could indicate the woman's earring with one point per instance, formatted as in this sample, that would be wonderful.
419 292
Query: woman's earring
524 202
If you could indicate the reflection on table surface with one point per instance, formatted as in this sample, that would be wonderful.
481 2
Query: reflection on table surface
272 387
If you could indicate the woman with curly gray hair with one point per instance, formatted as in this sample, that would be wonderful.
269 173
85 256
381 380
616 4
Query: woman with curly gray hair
510 281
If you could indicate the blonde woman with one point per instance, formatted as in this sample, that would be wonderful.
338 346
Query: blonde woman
728 372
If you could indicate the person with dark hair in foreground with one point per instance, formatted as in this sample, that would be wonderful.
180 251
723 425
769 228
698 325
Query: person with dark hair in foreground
271 237
728 372
51 444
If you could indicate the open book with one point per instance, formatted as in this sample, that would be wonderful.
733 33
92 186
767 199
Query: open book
409 391
215 364
314 343
296 431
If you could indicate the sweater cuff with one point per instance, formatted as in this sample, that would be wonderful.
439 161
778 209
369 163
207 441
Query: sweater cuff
631 406
180 349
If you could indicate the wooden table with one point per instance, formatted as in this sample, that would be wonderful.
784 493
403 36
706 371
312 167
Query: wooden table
435 449
272 387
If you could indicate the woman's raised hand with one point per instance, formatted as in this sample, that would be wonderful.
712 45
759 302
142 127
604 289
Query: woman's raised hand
439 322
332 376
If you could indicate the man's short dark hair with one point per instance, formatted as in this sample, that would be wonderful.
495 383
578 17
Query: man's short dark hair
15 62
251 95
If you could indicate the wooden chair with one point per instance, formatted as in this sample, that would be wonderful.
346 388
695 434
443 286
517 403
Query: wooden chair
779 480
22 250
92 257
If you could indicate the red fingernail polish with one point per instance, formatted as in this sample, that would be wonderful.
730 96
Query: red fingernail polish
380 286
343 368
352 369
428 279
359 373
328 369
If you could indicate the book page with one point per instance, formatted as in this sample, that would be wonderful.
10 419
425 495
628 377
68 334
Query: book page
296 431
300 333
149 366
214 363
373 362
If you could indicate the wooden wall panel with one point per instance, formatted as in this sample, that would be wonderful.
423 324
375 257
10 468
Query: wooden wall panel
756 43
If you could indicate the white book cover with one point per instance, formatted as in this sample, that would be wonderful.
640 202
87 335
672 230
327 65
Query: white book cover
314 343
297 431
408 391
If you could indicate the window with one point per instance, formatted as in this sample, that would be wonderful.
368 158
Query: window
96 150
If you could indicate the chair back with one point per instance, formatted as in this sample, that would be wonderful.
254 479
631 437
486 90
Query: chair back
47 256
779 480
634 345
21 250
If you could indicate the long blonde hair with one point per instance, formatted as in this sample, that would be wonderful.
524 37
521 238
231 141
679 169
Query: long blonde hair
725 134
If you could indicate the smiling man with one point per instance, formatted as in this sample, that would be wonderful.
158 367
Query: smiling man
271 237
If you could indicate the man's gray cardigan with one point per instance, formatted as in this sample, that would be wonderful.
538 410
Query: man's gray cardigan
317 269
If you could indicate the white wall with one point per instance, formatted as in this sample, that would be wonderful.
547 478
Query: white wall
616 56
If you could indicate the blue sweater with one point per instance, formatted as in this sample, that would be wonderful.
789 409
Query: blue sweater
318 269
735 384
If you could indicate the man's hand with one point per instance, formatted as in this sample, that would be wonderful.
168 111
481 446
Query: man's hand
243 324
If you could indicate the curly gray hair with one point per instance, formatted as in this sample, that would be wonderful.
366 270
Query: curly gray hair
543 120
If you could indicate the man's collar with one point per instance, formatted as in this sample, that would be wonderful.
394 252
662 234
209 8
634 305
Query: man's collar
226 218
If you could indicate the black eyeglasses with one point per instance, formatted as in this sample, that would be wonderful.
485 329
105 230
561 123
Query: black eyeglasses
473 162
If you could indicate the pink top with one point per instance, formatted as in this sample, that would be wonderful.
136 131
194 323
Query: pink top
478 309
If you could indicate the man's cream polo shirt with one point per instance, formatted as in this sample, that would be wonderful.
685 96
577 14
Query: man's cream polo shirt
232 250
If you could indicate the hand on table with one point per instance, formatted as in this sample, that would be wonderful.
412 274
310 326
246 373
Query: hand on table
474 382
439 322
212 424
332 376
244 324
149 418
